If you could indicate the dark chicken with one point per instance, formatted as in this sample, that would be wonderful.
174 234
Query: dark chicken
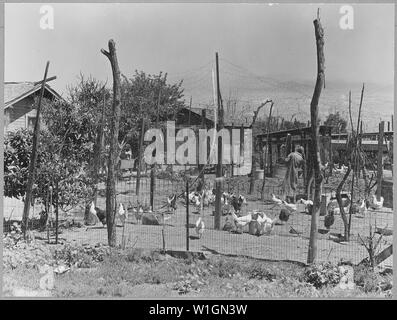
237 202
284 215
329 219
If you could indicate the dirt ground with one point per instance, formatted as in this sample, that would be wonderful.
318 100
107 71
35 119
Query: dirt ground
281 244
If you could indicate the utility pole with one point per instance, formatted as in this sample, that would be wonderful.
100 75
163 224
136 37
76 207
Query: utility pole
219 171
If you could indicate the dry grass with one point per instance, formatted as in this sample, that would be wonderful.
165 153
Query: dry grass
145 273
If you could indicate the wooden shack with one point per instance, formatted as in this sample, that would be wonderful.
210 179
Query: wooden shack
278 144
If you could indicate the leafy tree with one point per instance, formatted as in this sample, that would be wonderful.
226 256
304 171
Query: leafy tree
68 172
75 121
336 121
149 97
69 135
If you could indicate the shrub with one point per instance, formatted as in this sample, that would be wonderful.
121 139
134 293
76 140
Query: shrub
225 268
81 256
322 275
139 254
257 271
366 278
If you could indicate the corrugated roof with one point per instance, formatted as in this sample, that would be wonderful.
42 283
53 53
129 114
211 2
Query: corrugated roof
15 91
227 122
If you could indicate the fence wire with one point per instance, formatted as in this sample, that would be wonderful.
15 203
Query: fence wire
287 241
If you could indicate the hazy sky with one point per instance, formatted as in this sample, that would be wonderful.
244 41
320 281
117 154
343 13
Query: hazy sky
268 40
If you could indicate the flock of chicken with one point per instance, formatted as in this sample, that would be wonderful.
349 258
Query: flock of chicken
207 198
359 208
257 220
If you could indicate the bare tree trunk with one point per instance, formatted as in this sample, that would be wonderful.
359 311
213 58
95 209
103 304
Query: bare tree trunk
319 33
114 144
254 148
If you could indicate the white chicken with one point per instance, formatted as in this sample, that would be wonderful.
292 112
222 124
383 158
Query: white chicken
171 201
225 198
92 209
360 209
263 218
100 214
194 198
208 198
375 204
305 202
276 200
121 213
241 221
289 206
199 227
264 223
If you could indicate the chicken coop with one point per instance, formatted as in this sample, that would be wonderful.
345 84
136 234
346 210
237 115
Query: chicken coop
276 145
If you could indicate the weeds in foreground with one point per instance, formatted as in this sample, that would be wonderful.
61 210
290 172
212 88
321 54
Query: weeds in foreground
97 272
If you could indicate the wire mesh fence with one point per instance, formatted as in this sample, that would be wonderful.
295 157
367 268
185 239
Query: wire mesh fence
161 227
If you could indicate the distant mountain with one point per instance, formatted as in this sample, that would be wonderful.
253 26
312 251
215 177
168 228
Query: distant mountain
292 97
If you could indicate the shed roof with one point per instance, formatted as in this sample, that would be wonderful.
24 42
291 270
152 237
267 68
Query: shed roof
323 130
16 91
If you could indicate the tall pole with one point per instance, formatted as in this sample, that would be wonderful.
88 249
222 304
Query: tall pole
319 33
187 215
114 143
219 171
138 172
380 160
56 211
153 167
33 157
201 165
190 111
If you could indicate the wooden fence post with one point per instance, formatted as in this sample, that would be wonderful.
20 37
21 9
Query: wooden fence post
319 33
139 165
219 167
114 143
33 158
380 160
56 211
187 215
152 186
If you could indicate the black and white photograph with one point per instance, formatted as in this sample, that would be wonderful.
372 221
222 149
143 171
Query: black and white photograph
198 151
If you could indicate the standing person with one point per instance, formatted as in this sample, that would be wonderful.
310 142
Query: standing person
294 161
